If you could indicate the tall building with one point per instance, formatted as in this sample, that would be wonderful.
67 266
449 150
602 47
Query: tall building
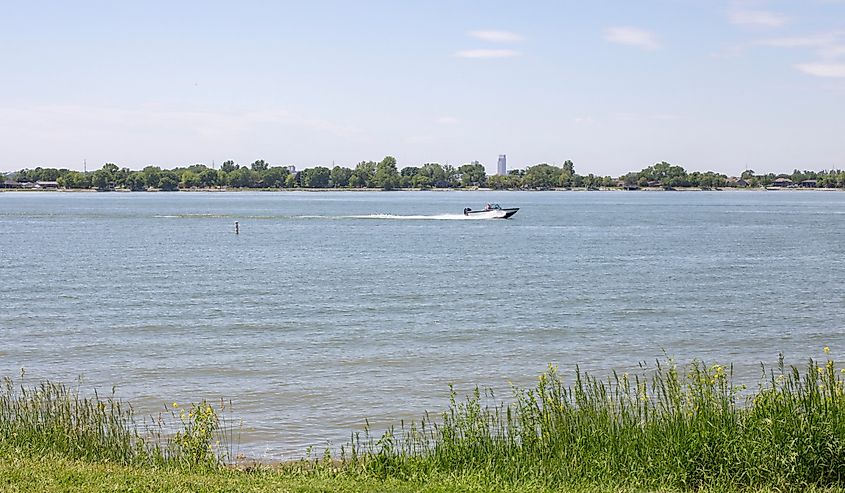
502 168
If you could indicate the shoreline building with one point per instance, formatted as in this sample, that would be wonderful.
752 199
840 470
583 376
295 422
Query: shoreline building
502 166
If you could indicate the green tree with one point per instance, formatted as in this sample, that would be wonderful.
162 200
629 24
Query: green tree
111 168
62 180
472 174
422 182
169 181
631 179
101 180
120 176
567 174
541 176
43 174
74 179
198 168
564 180
316 177
497 182
229 166
259 165
387 176
340 176
242 178
152 176
136 182
665 174
190 180
409 171
209 178
274 177
434 171
511 181
363 175
23 176
450 177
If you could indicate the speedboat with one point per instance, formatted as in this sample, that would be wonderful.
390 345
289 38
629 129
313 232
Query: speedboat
491 211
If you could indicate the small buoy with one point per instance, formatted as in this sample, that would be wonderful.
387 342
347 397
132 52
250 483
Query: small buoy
237 228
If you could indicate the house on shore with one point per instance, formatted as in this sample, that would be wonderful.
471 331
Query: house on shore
29 185
809 184
782 182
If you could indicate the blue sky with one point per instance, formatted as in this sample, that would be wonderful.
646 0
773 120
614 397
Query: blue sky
614 86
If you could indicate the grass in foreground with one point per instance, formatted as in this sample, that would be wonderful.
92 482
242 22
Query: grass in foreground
666 428
52 419
56 474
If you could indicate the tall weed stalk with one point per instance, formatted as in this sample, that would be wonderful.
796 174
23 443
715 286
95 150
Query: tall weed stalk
53 419
688 427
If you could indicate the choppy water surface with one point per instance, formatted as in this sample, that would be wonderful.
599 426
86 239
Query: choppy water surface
331 307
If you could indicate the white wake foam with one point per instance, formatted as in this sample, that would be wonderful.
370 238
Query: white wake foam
436 217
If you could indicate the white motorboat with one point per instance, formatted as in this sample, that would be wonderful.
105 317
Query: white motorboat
491 211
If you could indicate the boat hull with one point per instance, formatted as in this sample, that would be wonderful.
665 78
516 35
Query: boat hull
494 213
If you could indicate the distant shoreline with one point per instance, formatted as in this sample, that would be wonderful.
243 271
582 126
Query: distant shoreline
436 190
385 175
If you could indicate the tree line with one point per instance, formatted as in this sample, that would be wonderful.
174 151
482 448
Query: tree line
385 175
667 175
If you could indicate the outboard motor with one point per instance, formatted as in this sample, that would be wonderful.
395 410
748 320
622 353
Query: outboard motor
466 211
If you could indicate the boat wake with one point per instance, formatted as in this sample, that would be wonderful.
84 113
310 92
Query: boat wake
435 217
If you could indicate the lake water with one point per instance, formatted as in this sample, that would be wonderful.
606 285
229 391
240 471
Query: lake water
329 308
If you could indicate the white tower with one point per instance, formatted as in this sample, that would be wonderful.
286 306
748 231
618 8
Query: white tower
502 168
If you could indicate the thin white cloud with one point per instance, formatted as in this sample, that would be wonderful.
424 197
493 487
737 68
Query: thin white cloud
483 53
811 41
760 18
730 51
640 117
822 69
447 120
419 139
833 51
139 135
147 117
632 36
496 36
665 117
828 47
